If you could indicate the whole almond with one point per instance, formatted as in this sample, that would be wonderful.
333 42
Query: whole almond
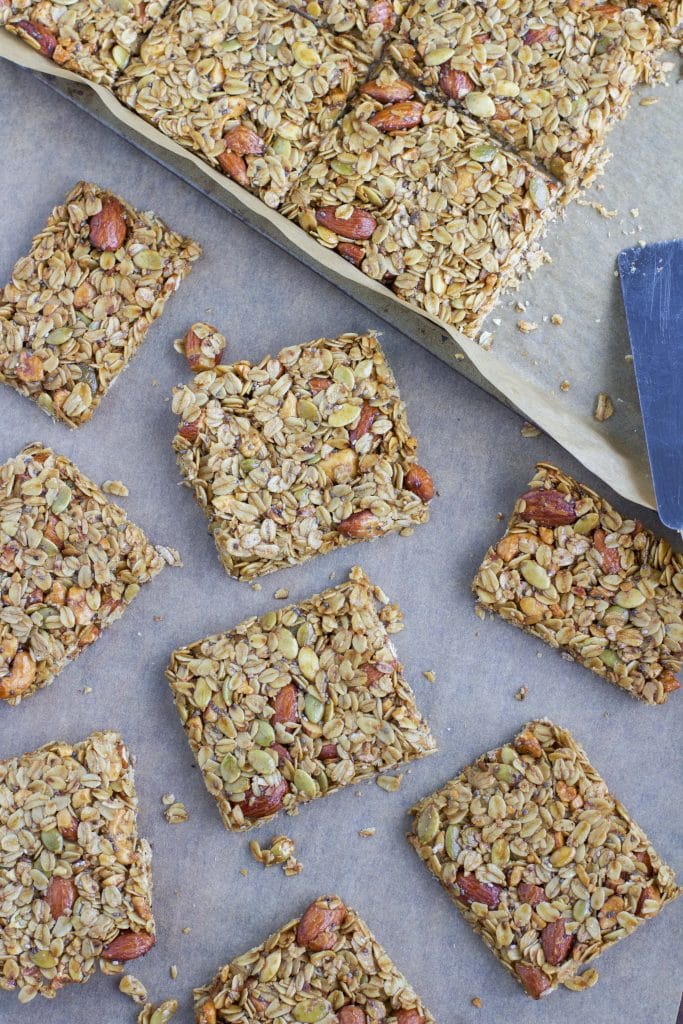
548 508
455 84
203 346
318 928
69 830
363 525
318 384
329 752
533 979
556 943
474 891
540 35
419 481
286 705
267 802
234 166
532 894
44 40
128 946
351 252
609 557
381 13
108 227
243 140
526 743
389 92
368 415
283 754
61 894
351 1014
358 227
398 117
189 430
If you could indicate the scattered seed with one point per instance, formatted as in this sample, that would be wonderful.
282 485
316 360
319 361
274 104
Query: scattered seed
115 487
430 676
367 833
530 430
557 319
564 385
604 408
176 814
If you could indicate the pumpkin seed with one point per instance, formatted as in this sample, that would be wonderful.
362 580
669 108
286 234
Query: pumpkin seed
427 824
535 575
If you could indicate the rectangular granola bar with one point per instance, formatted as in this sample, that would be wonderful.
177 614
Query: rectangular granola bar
424 199
94 38
325 966
299 454
548 76
75 878
606 591
293 705
79 305
70 563
250 85
544 863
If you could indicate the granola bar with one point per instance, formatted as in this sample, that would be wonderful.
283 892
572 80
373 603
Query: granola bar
293 705
299 454
422 198
70 563
94 38
548 76
79 305
75 878
250 85
325 967
544 863
606 591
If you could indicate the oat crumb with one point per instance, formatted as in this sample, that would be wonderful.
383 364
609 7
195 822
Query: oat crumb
635 212
281 594
598 207
168 799
526 326
186 930
173 971
115 487
521 693
477 1002
389 783
557 319
87 689
366 833
564 385
256 587
649 101
244 871
430 676
604 408
530 430
176 813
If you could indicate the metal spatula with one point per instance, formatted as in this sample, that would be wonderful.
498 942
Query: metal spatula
652 287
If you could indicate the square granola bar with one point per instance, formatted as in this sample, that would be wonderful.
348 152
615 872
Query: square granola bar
544 863
70 563
293 705
325 966
79 305
574 572
548 76
250 85
94 38
423 198
75 878
299 454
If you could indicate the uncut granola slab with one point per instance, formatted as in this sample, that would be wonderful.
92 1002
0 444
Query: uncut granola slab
70 563
79 305
250 85
75 877
423 199
94 38
574 572
293 705
541 859
548 76
325 966
299 454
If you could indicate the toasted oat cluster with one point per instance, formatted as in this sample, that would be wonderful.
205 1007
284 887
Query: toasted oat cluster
293 705
548 76
606 591
299 454
250 85
79 305
326 967
75 878
422 198
544 863
70 563
94 38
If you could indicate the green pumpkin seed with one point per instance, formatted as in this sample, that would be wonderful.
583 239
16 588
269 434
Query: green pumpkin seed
311 1012
364 370
268 621
282 147
630 598
451 844
163 1013
439 55
120 54
344 415
580 910
271 966
59 336
508 754
480 104
248 465
52 840
304 783
286 643
313 708
265 734
483 152
341 167
344 375
586 524
308 663
262 761
504 773
148 259
49 548
308 410
427 824
44 959
231 45
229 769
610 659
61 500
535 575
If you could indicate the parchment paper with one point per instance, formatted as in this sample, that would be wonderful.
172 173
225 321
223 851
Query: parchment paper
264 299
589 349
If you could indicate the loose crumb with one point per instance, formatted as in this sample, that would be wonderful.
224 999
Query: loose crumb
133 987
530 430
176 813
173 971
366 833
565 385
186 930
526 326
115 487
598 207
280 852
168 799
244 871
256 587
521 693
477 1002
635 212
281 594
604 408
87 690
519 307
557 319
430 676
649 101
389 783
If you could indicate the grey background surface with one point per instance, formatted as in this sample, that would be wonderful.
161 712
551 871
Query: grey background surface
263 299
